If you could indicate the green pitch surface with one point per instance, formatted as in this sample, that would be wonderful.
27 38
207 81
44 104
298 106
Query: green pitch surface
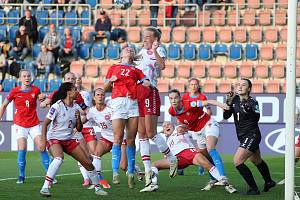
180 188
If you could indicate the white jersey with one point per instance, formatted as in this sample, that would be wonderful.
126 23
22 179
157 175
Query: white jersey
88 102
103 120
148 64
63 121
178 143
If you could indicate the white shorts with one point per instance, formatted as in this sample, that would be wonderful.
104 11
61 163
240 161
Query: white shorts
22 132
124 108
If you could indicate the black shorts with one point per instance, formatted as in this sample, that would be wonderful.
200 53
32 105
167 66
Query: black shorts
251 142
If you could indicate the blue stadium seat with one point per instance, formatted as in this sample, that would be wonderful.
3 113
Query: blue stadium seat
42 32
113 51
220 49
131 45
54 84
40 83
205 52
42 17
189 51
60 30
47 2
2 15
92 3
56 17
98 51
14 15
85 15
9 84
3 33
235 51
76 32
36 49
251 51
71 18
84 51
174 51
13 32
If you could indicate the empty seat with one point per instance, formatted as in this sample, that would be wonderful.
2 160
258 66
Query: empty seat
179 34
106 4
205 52
132 20
225 35
144 18
264 17
36 48
225 86
209 86
41 84
71 18
54 84
85 17
235 51
273 86
77 67
218 17
166 34
257 86
220 49
174 51
249 17
104 68
240 35
199 70
268 3
262 70
255 34
251 51
84 51
92 3
87 84
204 18
209 34
115 17
214 70
194 34
98 51
184 69
3 33
13 33
136 4
280 17
2 16
241 3
281 52
13 16
189 51
42 17
246 70
113 51
283 34
255 4
271 34
163 85
283 4
266 52
169 71
99 83
278 70
56 17
179 85
9 84
91 69
233 17
230 70
134 34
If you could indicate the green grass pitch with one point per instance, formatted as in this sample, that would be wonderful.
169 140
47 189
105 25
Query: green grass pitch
180 188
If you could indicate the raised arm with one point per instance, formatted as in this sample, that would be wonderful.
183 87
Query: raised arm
160 61
79 125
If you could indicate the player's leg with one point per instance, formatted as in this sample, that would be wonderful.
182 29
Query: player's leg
91 147
131 131
263 169
22 135
124 161
84 147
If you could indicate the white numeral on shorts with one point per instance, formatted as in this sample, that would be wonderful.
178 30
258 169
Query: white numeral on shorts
27 103
238 116
125 72
147 102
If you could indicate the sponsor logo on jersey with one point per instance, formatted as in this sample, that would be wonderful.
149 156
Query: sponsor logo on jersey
52 111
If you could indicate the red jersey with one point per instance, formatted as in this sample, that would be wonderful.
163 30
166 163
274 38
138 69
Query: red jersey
25 104
194 117
126 83
79 100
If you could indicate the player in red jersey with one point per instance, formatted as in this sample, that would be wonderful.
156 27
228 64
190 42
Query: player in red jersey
152 61
123 79
26 121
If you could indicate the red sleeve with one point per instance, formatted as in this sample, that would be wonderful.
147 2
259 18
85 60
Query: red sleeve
140 74
204 98
11 95
110 72
37 91
171 111
51 95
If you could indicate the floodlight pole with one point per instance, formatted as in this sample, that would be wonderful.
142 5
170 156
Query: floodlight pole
290 101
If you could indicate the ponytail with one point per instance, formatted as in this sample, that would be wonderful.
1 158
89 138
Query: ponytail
62 92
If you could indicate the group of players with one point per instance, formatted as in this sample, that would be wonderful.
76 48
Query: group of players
134 109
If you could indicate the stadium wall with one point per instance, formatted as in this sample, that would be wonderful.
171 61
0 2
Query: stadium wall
271 124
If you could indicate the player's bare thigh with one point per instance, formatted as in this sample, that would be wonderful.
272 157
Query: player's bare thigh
56 150
161 164
118 128
102 148
92 146
79 155
201 160
241 155
131 130
84 147
211 142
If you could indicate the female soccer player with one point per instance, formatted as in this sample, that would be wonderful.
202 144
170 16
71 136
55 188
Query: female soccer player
64 116
123 80
26 121
246 114
181 145
151 63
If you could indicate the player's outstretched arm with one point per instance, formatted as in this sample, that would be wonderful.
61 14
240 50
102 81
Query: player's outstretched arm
44 134
3 108
108 83
79 125
160 61
45 103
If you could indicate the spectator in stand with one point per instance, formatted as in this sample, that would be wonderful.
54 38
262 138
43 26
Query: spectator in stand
3 67
102 27
171 12
154 12
21 46
44 64
30 25
190 8
52 41
68 45
119 35
5 47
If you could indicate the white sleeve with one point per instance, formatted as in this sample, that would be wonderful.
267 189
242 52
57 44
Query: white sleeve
161 52
53 112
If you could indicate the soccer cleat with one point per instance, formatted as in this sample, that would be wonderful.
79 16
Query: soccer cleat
148 178
86 182
140 175
150 188
104 184
45 192
91 187
296 197
252 192
269 185
116 178
180 172
54 181
209 185
99 191
130 182
173 168
20 180
230 189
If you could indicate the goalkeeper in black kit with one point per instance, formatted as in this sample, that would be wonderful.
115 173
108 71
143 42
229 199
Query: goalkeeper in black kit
246 114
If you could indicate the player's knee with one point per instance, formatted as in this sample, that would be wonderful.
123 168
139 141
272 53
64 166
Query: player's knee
256 161
130 141
237 161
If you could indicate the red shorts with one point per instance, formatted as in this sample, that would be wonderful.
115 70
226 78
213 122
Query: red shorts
148 100
67 145
298 142
88 134
107 142
185 158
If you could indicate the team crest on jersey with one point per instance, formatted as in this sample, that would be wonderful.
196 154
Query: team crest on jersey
107 117
33 95
185 121
149 52
52 110
188 113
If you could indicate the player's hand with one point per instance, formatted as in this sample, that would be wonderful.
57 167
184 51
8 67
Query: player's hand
229 97
146 83
43 144
77 115
182 128
113 79
155 45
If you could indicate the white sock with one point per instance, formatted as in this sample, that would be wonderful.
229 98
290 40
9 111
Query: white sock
83 171
163 147
97 163
215 173
145 154
94 178
155 177
52 170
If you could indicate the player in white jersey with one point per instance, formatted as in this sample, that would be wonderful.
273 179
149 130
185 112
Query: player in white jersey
152 61
64 116
181 145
